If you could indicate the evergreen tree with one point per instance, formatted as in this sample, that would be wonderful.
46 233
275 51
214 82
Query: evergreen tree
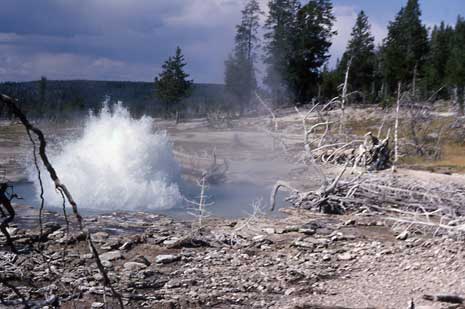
405 46
240 77
280 29
456 63
361 52
439 53
380 83
329 83
312 40
172 84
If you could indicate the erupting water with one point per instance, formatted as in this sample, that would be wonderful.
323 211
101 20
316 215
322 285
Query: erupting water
118 163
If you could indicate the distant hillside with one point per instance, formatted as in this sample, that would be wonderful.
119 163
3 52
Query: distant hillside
76 96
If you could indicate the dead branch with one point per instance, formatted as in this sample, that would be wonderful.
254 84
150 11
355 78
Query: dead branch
344 97
199 210
274 192
452 299
270 110
11 104
215 173
434 95
319 199
6 203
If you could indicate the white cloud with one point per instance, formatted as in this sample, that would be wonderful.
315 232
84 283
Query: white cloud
128 39
67 66
132 36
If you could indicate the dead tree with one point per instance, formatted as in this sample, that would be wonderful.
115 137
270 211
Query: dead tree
321 145
344 97
429 208
396 127
5 201
270 111
216 172
423 137
60 187
219 120
321 199
199 209
273 133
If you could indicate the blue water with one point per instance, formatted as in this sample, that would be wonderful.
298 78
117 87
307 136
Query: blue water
229 200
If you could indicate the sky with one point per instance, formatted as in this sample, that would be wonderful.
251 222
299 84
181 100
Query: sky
130 39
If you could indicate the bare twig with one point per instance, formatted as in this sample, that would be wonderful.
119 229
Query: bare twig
11 104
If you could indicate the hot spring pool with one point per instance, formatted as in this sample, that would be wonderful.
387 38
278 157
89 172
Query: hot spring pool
230 200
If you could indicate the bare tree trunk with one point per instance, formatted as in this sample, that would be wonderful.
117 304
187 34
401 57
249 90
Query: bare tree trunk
460 100
396 129
414 81
344 98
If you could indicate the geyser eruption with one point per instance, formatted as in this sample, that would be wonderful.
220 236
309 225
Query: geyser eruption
118 163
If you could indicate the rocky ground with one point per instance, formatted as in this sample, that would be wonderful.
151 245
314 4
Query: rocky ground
298 261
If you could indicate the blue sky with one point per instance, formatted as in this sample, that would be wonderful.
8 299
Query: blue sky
130 39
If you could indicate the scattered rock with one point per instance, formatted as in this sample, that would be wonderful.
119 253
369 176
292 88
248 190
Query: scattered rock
326 258
111 256
259 238
134 266
290 291
187 242
291 229
99 237
303 244
87 256
269 230
346 256
170 242
307 231
403 236
142 259
167 258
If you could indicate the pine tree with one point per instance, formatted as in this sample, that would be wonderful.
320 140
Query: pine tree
439 54
280 29
240 77
456 64
172 84
312 40
405 46
361 52
329 83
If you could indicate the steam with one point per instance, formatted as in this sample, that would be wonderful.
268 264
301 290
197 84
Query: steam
118 163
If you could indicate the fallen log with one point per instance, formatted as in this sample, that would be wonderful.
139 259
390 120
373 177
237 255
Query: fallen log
451 299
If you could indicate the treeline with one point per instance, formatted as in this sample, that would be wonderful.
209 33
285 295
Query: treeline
430 63
66 99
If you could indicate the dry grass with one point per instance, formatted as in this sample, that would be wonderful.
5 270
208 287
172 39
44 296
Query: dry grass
362 126
452 159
